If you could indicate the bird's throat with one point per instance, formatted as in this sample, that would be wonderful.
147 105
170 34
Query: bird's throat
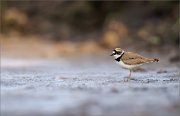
119 58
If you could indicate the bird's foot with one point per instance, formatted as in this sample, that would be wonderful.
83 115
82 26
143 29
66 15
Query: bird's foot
126 79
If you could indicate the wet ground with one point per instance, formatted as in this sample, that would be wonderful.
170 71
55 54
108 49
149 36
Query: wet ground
87 87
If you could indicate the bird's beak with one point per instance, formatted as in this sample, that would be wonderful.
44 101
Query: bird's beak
112 54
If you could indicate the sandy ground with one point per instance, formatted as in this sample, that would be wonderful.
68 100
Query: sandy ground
90 86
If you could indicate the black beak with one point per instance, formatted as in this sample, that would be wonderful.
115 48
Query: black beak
112 54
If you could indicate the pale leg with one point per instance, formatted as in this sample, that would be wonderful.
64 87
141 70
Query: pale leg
129 73
130 78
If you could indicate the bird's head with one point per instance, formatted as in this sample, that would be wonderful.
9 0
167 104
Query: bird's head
117 52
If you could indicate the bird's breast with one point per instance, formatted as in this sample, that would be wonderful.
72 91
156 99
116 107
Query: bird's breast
122 64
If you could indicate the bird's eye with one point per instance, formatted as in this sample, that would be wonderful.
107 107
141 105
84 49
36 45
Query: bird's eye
118 53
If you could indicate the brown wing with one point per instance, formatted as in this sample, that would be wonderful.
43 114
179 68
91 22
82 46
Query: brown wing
133 58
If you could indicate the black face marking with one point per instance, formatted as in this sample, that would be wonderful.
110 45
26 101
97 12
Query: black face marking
119 58
117 52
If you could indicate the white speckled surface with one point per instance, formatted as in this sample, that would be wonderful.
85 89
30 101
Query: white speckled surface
91 88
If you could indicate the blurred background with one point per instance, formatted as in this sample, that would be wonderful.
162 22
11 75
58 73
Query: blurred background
52 29
55 58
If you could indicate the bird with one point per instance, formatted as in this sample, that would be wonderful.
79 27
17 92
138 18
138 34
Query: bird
130 60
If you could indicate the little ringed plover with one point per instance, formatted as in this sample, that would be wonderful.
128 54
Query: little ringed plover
130 60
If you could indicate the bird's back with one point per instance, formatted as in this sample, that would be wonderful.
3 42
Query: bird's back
130 58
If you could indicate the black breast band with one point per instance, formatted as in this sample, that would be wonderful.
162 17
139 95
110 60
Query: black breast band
119 58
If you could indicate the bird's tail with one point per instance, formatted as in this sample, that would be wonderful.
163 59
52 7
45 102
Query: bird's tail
155 60
152 60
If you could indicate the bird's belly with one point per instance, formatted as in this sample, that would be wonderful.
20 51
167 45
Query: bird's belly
127 66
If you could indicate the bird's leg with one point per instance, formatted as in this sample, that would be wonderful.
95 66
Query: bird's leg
130 78
130 74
